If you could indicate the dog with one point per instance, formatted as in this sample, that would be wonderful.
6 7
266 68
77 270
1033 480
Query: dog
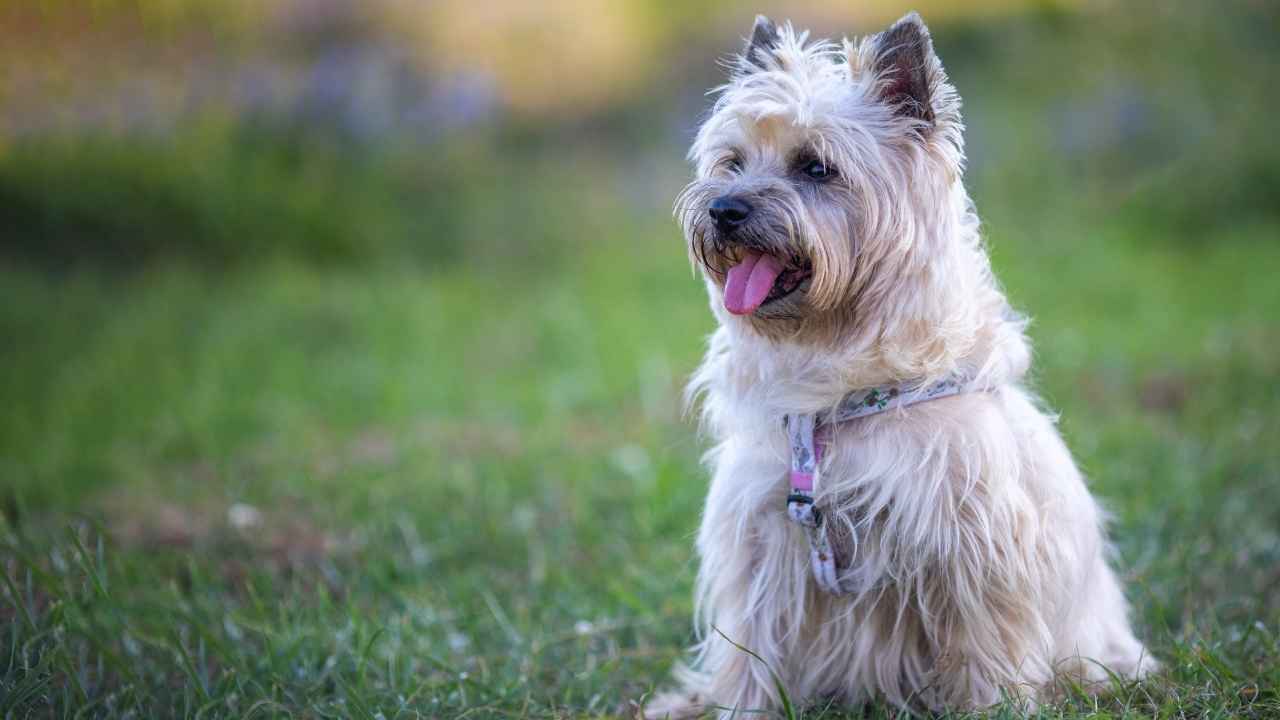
891 514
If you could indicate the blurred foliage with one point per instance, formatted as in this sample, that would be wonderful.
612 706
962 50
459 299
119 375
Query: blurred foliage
214 198
228 195
331 135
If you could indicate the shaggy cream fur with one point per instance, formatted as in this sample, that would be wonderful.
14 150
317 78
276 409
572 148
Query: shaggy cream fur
978 550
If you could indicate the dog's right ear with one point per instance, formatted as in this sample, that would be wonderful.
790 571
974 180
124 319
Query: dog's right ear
764 39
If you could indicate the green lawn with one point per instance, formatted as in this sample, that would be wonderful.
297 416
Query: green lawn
397 492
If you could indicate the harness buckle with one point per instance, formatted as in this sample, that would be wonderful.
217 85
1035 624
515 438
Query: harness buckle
800 508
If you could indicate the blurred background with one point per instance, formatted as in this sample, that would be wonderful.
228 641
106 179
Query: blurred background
378 309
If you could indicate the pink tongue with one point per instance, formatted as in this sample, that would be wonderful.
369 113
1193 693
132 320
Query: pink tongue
749 282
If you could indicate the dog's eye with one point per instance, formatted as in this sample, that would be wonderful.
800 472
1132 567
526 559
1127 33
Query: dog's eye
734 163
818 170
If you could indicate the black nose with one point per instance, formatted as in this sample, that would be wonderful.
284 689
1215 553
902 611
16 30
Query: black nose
729 212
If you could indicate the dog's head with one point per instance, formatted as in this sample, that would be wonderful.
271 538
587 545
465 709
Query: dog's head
819 168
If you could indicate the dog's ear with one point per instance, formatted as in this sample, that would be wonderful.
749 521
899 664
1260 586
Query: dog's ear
904 62
764 38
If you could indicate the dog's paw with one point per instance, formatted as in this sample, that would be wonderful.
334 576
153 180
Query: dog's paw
673 705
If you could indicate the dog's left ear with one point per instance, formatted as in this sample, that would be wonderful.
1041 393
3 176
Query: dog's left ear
903 62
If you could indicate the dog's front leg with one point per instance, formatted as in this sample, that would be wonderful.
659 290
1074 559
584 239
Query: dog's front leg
742 653
983 595
750 593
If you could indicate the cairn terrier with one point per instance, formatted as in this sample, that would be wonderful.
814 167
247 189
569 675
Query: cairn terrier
891 514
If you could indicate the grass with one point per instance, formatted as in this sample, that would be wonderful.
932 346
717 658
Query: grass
289 491
401 437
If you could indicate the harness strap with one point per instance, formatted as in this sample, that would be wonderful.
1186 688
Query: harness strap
808 435
807 445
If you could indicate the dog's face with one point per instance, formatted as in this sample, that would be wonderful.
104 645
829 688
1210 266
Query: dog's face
819 166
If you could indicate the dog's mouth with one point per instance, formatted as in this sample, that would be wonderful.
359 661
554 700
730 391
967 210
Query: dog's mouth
759 279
